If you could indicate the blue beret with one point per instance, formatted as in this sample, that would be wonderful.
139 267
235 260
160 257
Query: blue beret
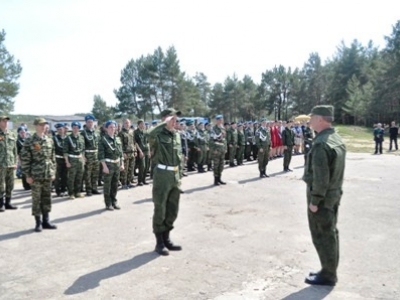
109 122
59 125
22 128
89 117
146 123
189 123
76 123
154 122
206 124
218 117
65 124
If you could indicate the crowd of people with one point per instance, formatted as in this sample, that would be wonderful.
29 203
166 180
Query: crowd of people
80 161
379 136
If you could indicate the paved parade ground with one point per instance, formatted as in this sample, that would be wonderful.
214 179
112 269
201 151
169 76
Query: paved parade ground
246 240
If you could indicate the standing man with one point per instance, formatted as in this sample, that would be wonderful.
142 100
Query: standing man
129 149
231 140
393 133
8 163
20 144
241 145
218 148
166 191
38 165
202 146
191 136
254 148
91 138
308 139
61 167
263 142
249 135
142 146
112 160
209 156
378 138
74 149
323 175
287 142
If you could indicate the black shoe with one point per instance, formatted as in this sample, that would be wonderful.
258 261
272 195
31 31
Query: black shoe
160 246
8 204
232 165
181 191
130 186
220 181
99 183
262 175
265 175
140 184
216 180
109 207
96 192
169 244
89 194
116 206
38 226
2 209
319 280
289 170
145 183
46 222
184 174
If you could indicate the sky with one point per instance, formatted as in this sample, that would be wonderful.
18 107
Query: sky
71 50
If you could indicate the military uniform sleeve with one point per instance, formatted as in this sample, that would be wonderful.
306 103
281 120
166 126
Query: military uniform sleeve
321 173
101 154
66 146
26 157
53 158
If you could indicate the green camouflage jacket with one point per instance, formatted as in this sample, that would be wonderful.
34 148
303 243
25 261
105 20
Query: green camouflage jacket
38 157
8 149
110 148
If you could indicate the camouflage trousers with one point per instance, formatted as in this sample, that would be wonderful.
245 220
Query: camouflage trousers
91 175
166 194
240 154
192 158
75 175
144 165
218 156
41 196
61 176
263 158
201 155
325 236
232 153
111 183
6 182
129 167
287 157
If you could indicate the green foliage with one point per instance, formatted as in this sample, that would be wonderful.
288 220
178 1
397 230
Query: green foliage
101 111
10 70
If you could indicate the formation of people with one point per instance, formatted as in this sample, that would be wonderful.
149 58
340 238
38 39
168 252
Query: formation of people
109 157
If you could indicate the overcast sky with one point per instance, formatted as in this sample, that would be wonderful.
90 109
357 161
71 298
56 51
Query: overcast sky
71 50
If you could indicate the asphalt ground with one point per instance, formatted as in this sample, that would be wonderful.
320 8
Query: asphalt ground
246 240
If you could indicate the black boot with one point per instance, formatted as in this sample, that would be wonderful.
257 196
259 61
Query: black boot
262 174
8 205
2 204
216 180
160 246
265 175
209 168
220 181
46 222
168 243
38 227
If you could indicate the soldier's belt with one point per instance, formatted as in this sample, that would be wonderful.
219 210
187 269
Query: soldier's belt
114 161
75 156
168 168
59 156
91 151
219 143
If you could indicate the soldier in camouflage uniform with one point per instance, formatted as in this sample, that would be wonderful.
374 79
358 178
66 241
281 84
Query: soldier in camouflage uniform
241 145
209 156
38 165
129 150
191 135
323 174
91 174
308 138
61 167
263 142
142 147
232 141
288 143
8 163
166 191
202 145
250 140
112 160
218 148
20 143
74 149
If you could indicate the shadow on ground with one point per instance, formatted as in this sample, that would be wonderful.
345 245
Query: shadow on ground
92 280
310 293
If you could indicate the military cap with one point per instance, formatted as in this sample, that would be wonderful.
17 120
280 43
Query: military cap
263 120
109 122
189 122
59 125
219 117
323 110
21 128
4 118
232 123
170 111
40 121
89 117
140 121
240 125
76 123
226 124
250 122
